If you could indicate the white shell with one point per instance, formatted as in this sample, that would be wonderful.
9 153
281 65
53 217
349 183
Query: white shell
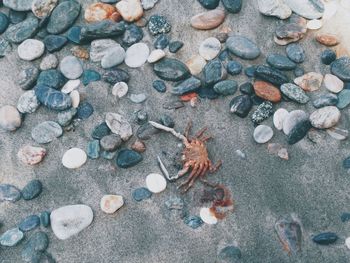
207 216
156 183
120 89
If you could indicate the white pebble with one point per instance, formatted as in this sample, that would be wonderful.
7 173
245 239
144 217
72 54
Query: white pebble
111 203
314 24
120 89
156 55
74 158
278 118
347 242
207 216
136 55
210 48
70 86
30 49
156 183
263 134
75 96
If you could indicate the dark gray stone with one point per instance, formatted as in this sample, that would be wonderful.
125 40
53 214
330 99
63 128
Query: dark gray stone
226 87
271 75
324 100
127 158
232 6
299 131
29 223
100 131
32 190
280 62
132 35
234 67
171 69
102 29
241 105
189 85
26 29
325 238
115 75
17 16
328 56
53 99
161 42
295 52
213 72
341 68
175 46
242 47
110 143
209 4
140 194
51 78
27 78
54 43
4 22
159 86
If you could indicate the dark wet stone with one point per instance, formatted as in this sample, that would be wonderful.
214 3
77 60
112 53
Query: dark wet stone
140 194
264 111
102 29
326 238
127 158
34 248
241 105
85 110
328 56
166 120
26 29
173 104
247 88
111 142
141 117
193 221
256 100
289 233
189 85
234 67
161 42
324 100
132 35
42 33
226 87
4 22
298 71
100 131
341 68
146 131
345 217
250 71
232 6
299 131
271 75
63 17
73 34
230 253
175 46
280 62
207 93
9 192
242 47
5 47
171 69
346 163
115 75
159 86
213 72
343 99
93 149
53 99
295 52
32 189
64 118
346 85
158 25
17 16
224 56
51 78
27 78
45 218
29 223
209 4
90 75
54 43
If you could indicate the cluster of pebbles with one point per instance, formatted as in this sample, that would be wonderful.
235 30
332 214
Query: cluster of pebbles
113 32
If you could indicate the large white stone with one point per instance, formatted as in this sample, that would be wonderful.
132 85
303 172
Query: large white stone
274 8
292 119
74 158
333 83
71 67
70 86
136 55
156 183
69 220
120 89
30 49
325 117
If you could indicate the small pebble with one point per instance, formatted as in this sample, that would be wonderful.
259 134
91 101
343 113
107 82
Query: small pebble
263 134
32 190
140 194
74 158
29 223
156 183
207 216
11 237
210 48
111 203
120 89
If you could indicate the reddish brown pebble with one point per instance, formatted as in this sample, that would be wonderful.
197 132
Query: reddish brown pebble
31 155
80 52
98 12
267 91
208 20
327 40
138 146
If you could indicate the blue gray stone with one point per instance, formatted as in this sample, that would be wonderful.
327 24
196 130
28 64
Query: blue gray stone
18 5
32 190
226 87
295 52
26 29
29 223
127 158
27 77
132 35
54 42
175 46
193 221
45 218
64 118
140 194
102 29
280 62
11 237
93 149
171 69
4 22
242 47
9 192
328 99
159 86
213 72
53 99
51 78
46 132
189 85
247 88
108 155
161 42
328 56
234 67
85 110
341 68
232 6
250 71
17 16
100 131
33 250
73 34
158 25
298 132
271 75
115 75
343 99
209 4
89 76
230 253
326 238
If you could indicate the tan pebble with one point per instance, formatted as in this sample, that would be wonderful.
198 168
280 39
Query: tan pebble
111 203
196 64
80 52
75 96
208 20
309 82
327 40
98 12
138 146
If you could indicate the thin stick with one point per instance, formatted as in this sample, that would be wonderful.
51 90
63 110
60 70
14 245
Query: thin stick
167 129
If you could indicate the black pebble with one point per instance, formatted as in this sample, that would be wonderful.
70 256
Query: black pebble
175 46
328 56
159 86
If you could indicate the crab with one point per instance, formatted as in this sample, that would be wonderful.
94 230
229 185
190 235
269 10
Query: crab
194 155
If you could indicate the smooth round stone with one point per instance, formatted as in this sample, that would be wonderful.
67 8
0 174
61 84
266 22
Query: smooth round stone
156 55
328 56
113 57
70 86
136 55
18 5
341 68
314 24
111 203
267 91
232 6
31 155
140 194
116 75
64 118
158 25
127 158
262 134
23 30
209 4
32 190
46 132
310 9
208 20
333 83
278 118
242 47
100 131
71 67
63 16
207 216
30 49
226 87
120 89
196 64
74 158
52 78
280 62
338 134
175 46
343 99
294 93
29 223
49 62
138 98
230 253
159 86
247 88
292 119
213 72
43 8
69 220
161 42
45 218
89 76
171 69
328 40
111 142
4 22
275 8
310 81
241 105
325 117
54 42
119 125
75 98
9 193
324 100
210 48
132 35
11 237
325 238
53 99
295 52
234 67
85 110
10 119
156 183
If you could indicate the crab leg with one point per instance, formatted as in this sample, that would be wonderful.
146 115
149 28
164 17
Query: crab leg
171 130
193 174
200 132
213 169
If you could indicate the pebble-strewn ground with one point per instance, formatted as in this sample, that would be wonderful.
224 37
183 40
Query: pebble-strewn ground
313 185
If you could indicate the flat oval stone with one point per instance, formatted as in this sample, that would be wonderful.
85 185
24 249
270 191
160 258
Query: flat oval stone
328 56
162 41
232 6
341 68
338 134
132 35
11 237
70 86
53 99
156 55
175 46
30 49
55 43
292 119
127 158
136 55
280 62
343 99
63 16
275 8
327 40
9 192
189 85
294 93
262 134
325 117
295 52
213 72
278 118
31 155
241 105
311 81
69 220
45 218
314 24
32 190
85 110
156 183
310 9
10 119
111 142
113 57
210 48
242 47
93 149
207 216
271 75
333 83
119 125
111 203
140 194
196 64
171 69
71 67
29 223
100 131
46 132
18 5
325 238
208 20
102 29
234 67
74 158
299 131
43 8
324 100
267 91
51 78
26 29
226 87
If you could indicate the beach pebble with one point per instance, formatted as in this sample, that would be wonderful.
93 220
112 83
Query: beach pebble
333 83
156 183
208 20
70 86
292 119
127 158
196 64
49 62
71 67
267 91
314 24
29 223
325 117
11 237
136 55
338 134
310 9
119 125
46 132
130 10
328 56
43 8
158 24
242 47
309 82
210 48
99 11
74 158
32 190
31 155
9 192
171 69
263 134
279 117
30 49
295 52
28 102
120 89
207 216
10 118
140 194
111 142
111 203
341 68
113 57
328 40
75 98
156 55
275 8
